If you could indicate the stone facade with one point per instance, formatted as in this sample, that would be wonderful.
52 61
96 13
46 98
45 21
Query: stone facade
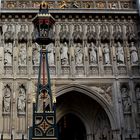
94 58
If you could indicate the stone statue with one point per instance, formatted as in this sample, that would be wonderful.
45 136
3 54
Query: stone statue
120 53
23 34
21 101
22 55
106 53
7 99
51 54
9 34
78 54
64 34
133 54
77 34
36 56
126 101
64 54
8 54
47 102
92 53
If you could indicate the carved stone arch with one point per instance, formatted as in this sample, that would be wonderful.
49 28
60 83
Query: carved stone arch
95 96
78 114
105 33
77 33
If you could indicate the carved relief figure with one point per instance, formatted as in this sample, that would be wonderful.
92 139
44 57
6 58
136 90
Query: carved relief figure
120 53
133 54
77 34
64 34
47 103
126 101
64 54
106 53
9 34
92 53
21 101
22 55
36 56
8 54
51 54
23 35
7 99
78 54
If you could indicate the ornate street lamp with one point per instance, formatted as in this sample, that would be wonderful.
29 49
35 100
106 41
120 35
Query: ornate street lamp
44 116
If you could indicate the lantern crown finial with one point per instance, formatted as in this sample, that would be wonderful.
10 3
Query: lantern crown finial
43 7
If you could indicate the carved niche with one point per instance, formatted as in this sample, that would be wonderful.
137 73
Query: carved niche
9 34
22 34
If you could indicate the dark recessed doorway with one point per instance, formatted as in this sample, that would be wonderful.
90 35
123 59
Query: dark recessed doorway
70 127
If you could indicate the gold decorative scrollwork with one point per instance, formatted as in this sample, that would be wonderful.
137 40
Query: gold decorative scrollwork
44 126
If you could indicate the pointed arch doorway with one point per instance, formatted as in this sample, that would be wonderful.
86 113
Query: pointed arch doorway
70 127
86 110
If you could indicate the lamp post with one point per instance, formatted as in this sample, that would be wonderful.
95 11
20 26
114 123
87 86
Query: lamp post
44 116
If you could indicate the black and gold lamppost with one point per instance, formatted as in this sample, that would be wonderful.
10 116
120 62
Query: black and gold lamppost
44 116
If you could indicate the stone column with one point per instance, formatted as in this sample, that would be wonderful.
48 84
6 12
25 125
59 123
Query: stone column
15 59
90 136
14 109
72 58
1 61
86 56
119 107
134 107
101 68
1 100
29 60
58 61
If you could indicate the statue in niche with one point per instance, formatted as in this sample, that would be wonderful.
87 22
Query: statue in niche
106 52
64 33
47 102
9 34
7 99
77 34
133 54
126 101
137 92
51 54
23 34
118 32
120 53
8 54
92 53
91 33
64 54
22 55
21 101
36 56
104 32
78 54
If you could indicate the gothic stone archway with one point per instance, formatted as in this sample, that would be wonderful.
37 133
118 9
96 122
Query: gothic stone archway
86 105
